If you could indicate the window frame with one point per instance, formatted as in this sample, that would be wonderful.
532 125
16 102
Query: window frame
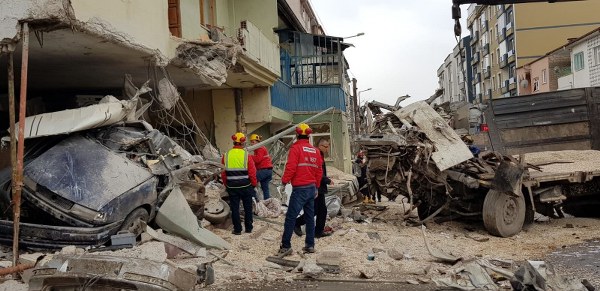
536 84
596 54
576 57
544 78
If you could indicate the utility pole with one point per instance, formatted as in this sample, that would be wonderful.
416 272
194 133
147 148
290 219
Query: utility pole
355 107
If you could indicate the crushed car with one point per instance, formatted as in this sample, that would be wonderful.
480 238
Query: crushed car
81 188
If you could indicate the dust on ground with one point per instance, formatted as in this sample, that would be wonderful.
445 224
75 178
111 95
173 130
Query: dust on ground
354 241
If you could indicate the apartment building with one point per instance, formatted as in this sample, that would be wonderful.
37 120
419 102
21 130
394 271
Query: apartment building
455 74
516 34
584 67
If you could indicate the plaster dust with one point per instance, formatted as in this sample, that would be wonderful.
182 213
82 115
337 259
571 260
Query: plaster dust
352 240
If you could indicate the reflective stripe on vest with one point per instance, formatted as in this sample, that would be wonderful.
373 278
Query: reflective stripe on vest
236 168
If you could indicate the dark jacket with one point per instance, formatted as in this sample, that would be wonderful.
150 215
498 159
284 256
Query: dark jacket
324 179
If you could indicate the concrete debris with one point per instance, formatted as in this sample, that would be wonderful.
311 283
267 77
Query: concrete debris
330 257
167 93
311 269
395 254
412 281
467 276
444 257
183 244
540 275
209 62
366 272
268 208
175 216
13 285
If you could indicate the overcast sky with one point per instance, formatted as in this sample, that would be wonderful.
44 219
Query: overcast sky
405 42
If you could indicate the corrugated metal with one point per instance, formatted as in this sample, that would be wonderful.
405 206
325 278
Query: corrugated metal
313 98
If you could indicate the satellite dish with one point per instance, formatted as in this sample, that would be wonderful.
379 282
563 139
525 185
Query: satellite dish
524 83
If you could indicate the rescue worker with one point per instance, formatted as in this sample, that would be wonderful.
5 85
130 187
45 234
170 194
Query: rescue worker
363 186
264 166
303 170
239 179
320 206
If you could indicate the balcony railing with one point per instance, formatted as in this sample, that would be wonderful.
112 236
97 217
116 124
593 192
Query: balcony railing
476 58
511 56
317 69
486 49
474 37
509 28
487 72
512 83
502 35
503 61
505 87
258 47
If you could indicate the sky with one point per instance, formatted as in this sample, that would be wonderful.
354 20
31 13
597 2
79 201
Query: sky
405 42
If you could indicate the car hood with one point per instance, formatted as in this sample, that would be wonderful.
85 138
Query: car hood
85 172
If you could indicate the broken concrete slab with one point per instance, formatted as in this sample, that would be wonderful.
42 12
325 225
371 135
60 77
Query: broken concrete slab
330 257
176 216
311 269
183 244
395 254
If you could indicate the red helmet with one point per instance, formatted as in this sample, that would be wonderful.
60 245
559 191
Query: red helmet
303 129
238 137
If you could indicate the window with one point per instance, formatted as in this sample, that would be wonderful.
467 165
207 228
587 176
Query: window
578 61
500 84
499 60
492 57
512 72
320 131
207 12
174 18
536 84
494 82
544 79
596 51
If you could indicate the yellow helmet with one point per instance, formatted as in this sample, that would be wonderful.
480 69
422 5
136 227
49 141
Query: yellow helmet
303 129
238 137
254 136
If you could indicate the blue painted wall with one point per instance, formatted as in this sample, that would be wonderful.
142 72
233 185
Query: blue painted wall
309 98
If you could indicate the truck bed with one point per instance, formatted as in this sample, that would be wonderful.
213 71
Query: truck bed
575 166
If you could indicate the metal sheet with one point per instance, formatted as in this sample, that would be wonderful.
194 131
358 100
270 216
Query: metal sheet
309 98
73 120
85 172
449 148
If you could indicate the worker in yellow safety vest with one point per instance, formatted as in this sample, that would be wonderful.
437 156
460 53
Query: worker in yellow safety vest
239 179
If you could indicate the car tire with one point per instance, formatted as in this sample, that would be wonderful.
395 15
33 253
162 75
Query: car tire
5 192
503 214
216 212
131 222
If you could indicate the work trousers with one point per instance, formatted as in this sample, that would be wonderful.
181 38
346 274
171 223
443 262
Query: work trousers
302 198
320 212
244 194
264 176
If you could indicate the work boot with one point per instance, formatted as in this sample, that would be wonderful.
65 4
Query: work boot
366 200
371 201
284 252
308 249
236 232
298 230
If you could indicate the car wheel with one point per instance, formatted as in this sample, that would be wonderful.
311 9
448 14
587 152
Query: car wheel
5 191
216 211
132 222
503 214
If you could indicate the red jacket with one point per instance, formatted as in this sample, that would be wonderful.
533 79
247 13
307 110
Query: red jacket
251 169
261 158
303 165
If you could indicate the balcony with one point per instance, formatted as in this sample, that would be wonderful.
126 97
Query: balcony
502 35
509 29
512 84
477 78
511 56
487 72
503 61
260 58
485 26
504 88
476 58
486 49
474 38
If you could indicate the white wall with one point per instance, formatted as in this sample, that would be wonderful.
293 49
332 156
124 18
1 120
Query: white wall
581 78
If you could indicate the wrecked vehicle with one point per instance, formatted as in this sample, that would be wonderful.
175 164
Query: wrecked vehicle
414 153
81 188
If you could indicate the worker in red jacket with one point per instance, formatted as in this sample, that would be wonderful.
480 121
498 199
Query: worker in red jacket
239 179
264 166
303 170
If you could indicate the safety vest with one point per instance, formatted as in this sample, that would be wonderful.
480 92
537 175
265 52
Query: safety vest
236 168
